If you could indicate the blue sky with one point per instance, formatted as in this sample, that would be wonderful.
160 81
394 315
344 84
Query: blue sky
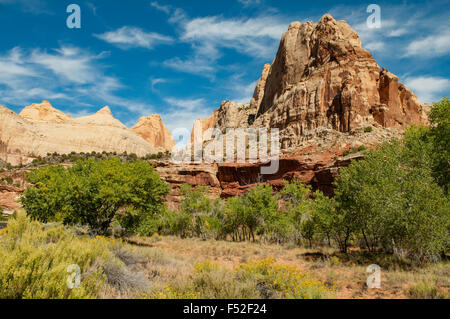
182 58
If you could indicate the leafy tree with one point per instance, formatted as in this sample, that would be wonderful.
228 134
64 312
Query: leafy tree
391 201
94 192
233 219
296 197
260 209
196 206
440 135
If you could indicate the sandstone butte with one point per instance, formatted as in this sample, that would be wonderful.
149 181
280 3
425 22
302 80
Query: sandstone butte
40 129
322 91
152 129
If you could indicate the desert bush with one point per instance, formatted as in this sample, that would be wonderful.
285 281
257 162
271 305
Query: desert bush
426 289
252 280
34 261
214 282
282 281
95 193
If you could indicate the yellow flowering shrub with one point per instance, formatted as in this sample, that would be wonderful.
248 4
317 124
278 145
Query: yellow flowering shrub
284 281
251 280
34 259
171 293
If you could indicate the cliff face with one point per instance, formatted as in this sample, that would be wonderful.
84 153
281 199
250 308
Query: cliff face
322 80
152 129
40 129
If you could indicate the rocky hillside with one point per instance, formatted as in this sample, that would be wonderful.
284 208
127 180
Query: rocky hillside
322 82
40 129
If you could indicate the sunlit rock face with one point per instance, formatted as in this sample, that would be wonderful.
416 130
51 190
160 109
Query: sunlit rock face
40 129
322 80
152 129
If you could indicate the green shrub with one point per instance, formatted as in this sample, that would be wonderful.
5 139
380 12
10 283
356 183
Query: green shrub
368 129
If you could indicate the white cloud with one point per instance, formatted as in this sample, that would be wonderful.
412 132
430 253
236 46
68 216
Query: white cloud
156 81
398 32
67 74
430 46
428 89
408 29
255 37
375 46
244 93
164 8
249 3
182 113
133 37
70 63
186 104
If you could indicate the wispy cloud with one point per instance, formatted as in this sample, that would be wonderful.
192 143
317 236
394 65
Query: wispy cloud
249 3
256 37
434 45
164 8
428 89
186 104
69 63
182 113
133 37
67 74
251 36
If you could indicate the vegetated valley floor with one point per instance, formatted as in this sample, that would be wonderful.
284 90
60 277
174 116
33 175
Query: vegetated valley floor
346 272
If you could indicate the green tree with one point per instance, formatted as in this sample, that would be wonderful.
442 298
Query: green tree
390 200
197 206
260 208
95 192
299 206
440 135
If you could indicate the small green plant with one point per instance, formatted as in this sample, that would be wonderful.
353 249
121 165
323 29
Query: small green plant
368 129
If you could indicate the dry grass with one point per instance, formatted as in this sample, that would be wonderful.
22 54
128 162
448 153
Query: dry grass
173 260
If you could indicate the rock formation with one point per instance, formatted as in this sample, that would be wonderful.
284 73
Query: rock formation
40 129
44 112
152 129
322 80
103 117
195 175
